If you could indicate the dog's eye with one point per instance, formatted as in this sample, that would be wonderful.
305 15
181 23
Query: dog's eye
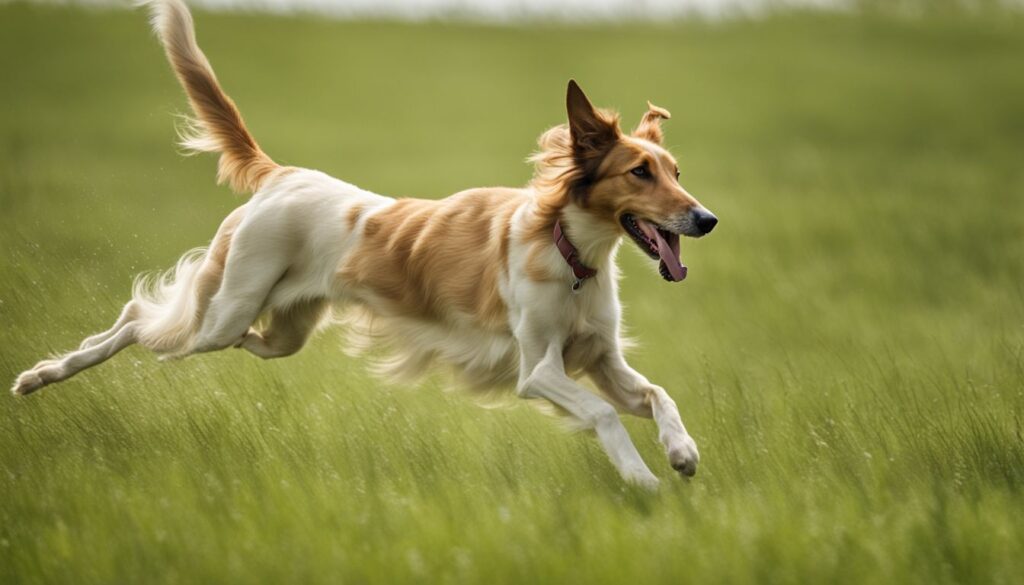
677 174
640 171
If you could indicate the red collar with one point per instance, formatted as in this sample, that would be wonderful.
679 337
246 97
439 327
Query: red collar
580 271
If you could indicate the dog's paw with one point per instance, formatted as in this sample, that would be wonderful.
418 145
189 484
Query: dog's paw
27 383
642 478
683 456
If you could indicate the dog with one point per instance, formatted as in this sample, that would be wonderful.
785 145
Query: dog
507 287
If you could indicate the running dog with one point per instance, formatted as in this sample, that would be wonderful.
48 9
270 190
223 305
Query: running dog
507 287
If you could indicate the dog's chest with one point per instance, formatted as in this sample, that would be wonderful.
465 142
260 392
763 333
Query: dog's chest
591 312
587 322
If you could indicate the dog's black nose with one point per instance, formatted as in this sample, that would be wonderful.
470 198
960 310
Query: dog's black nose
706 221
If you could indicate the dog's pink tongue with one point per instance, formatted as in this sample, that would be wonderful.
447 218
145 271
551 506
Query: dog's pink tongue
667 249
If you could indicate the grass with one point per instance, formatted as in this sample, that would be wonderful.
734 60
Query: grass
848 350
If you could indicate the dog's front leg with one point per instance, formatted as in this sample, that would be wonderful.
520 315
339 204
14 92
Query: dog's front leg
634 393
542 375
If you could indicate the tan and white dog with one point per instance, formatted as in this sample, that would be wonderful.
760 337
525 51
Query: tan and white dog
505 286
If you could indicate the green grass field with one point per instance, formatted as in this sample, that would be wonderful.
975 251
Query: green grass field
848 351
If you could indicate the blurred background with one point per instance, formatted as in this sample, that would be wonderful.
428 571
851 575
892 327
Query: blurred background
582 11
848 350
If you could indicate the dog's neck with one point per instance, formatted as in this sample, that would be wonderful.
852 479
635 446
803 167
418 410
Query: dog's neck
596 240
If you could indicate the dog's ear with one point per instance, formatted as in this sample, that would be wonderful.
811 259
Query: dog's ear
650 124
593 133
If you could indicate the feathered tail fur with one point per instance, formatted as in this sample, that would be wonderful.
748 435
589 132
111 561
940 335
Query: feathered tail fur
217 125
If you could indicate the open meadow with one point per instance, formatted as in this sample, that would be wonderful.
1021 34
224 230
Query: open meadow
848 350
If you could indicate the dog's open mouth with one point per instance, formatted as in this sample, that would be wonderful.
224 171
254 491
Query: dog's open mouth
657 243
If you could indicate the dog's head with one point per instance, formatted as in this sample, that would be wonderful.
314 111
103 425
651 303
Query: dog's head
631 181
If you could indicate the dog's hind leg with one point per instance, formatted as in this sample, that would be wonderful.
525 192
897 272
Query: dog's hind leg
288 331
55 370
257 261
128 314
230 316
159 320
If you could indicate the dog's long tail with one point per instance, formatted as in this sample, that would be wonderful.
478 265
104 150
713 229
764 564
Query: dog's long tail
217 125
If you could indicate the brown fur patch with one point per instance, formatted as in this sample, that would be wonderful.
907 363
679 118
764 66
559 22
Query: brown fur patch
353 215
427 258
